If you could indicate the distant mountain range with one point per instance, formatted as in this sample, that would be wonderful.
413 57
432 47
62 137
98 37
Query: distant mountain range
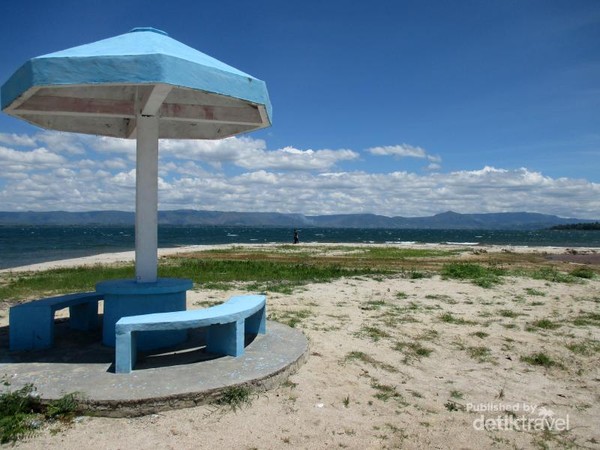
446 220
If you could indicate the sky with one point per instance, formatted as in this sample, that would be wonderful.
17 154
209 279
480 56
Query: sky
399 108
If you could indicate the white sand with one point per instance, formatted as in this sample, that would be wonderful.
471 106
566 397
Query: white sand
394 398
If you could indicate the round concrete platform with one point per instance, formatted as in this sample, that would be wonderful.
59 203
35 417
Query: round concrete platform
182 377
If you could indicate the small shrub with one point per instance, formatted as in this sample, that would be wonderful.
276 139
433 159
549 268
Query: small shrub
22 413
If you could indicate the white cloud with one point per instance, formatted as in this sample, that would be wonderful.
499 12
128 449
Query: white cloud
407 151
62 142
105 144
253 154
19 140
44 178
290 158
400 151
38 158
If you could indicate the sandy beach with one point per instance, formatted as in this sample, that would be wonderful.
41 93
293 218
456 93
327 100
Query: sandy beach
397 362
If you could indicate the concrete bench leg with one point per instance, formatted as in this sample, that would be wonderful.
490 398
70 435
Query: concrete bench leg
31 328
257 323
226 339
125 351
84 317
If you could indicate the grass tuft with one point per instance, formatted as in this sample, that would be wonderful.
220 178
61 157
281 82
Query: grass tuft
539 359
485 277
235 397
449 318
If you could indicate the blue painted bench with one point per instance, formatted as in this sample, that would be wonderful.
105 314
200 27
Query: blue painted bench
227 325
31 324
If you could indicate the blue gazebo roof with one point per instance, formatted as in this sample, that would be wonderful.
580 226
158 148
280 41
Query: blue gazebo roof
99 88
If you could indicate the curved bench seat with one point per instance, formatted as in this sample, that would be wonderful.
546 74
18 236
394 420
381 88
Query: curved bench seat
227 325
31 324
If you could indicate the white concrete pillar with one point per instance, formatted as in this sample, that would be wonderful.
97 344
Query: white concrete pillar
146 200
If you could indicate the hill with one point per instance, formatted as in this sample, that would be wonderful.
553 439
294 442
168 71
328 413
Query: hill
446 220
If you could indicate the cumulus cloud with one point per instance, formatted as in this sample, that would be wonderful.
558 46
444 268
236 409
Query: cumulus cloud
290 158
61 142
38 158
44 178
407 151
253 154
19 140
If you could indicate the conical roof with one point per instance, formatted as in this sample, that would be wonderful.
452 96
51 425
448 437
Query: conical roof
99 88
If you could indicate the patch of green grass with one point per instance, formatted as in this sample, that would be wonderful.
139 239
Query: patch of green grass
552 274
587 319
480 353
401 295
291 318
485 277
449 318
428 335
453 406
456 394
413 349
539 359
587 347
22 413
386 392
372 305
532 291
480 334
545 324
442 297
417 275
404 253
235 397
363 357
64 408
373 333
253 274
56 281
582 272
346 401
508 313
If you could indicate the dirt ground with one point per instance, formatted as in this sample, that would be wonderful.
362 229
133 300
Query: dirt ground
401 363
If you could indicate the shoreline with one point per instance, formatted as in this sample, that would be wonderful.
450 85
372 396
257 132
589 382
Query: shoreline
129 256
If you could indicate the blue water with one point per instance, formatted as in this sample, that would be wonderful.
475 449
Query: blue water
27 245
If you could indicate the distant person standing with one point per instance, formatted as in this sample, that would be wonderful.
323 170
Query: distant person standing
296 237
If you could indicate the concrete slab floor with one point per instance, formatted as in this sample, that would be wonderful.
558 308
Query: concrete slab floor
184 376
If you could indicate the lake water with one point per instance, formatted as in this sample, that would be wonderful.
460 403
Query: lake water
23 245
